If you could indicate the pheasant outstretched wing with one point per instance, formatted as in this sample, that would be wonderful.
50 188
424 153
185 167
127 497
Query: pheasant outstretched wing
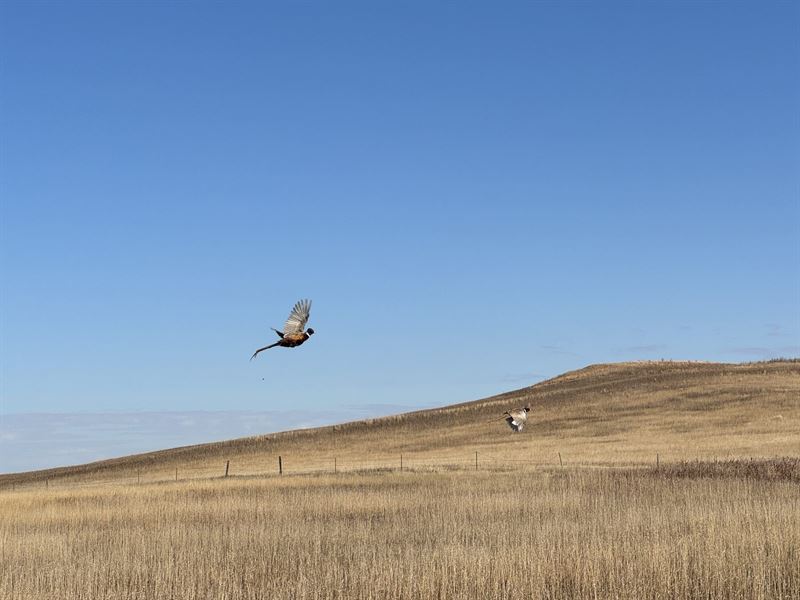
516 417
298 317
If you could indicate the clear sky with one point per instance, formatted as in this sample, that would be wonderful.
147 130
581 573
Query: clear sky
475 196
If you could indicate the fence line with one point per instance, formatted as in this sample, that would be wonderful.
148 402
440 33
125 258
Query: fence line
317 465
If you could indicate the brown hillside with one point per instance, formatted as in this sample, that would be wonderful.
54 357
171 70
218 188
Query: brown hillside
611 414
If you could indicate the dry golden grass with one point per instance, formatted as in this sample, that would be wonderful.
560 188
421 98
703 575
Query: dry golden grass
710 522
557 533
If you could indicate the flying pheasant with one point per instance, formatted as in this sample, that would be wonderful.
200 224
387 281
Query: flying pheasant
293 334
517 417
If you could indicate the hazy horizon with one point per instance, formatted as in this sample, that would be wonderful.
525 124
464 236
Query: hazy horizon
33 441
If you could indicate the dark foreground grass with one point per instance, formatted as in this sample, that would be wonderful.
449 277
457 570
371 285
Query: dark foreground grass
768 469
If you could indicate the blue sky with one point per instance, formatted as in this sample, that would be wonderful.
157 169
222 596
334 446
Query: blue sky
476 198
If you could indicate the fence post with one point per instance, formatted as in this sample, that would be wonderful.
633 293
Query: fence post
137 476
227 465
401 462
476 461
334 464
176 473
559 459
656 461
280 466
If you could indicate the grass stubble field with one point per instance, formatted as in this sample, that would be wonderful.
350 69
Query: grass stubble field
718 518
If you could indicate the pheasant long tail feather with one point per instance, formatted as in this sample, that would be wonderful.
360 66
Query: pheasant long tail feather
495 419
264 348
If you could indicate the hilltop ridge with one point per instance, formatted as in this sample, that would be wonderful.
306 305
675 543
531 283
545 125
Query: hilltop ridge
616 412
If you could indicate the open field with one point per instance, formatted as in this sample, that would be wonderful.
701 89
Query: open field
559 533
608 524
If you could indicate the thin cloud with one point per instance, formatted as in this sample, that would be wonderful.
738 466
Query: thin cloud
763 352
558 350
775 330
644 348
749 350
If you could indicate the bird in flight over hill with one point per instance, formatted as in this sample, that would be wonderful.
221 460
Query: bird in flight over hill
517 417
293 334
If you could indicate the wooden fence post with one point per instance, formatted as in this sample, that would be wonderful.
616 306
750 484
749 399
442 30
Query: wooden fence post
656 460
227 465
476 461
280 466
137 475
559 459
176 473
334 464
401 462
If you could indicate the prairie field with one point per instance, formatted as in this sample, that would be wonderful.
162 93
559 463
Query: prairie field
557 533
718 516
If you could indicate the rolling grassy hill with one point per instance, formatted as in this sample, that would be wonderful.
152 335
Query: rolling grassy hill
610 414
519 527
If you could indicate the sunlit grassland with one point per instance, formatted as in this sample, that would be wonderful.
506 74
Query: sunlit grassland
719 517
547 533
